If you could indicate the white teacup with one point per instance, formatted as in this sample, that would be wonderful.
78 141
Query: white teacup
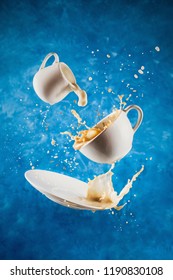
55 82
114 142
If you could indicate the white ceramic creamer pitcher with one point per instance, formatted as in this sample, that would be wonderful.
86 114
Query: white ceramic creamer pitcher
115 141
53 83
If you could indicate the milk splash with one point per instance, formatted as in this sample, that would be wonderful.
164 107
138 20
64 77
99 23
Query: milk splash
84 136
122 103
81 95
79 119
101 190
45 113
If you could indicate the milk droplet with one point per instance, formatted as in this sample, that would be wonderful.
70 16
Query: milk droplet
157 49
53 142
140 71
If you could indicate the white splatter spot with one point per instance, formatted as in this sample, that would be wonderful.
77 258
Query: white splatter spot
53 142
140 71
157 49
109 90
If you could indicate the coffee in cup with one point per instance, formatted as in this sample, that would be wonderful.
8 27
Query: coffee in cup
111 139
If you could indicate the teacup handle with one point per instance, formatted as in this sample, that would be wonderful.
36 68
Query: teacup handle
47 57
140 115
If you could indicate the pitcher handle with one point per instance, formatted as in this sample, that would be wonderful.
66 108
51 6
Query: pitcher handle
140 115
47 57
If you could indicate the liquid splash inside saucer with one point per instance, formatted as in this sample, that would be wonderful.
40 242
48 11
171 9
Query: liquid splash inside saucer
102 192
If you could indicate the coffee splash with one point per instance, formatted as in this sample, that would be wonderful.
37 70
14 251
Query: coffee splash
102 193
122 103
79 119
84 136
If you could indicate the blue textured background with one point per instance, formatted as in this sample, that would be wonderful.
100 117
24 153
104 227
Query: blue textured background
33 227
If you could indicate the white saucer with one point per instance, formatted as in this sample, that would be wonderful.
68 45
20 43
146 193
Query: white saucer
67 203
59 188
